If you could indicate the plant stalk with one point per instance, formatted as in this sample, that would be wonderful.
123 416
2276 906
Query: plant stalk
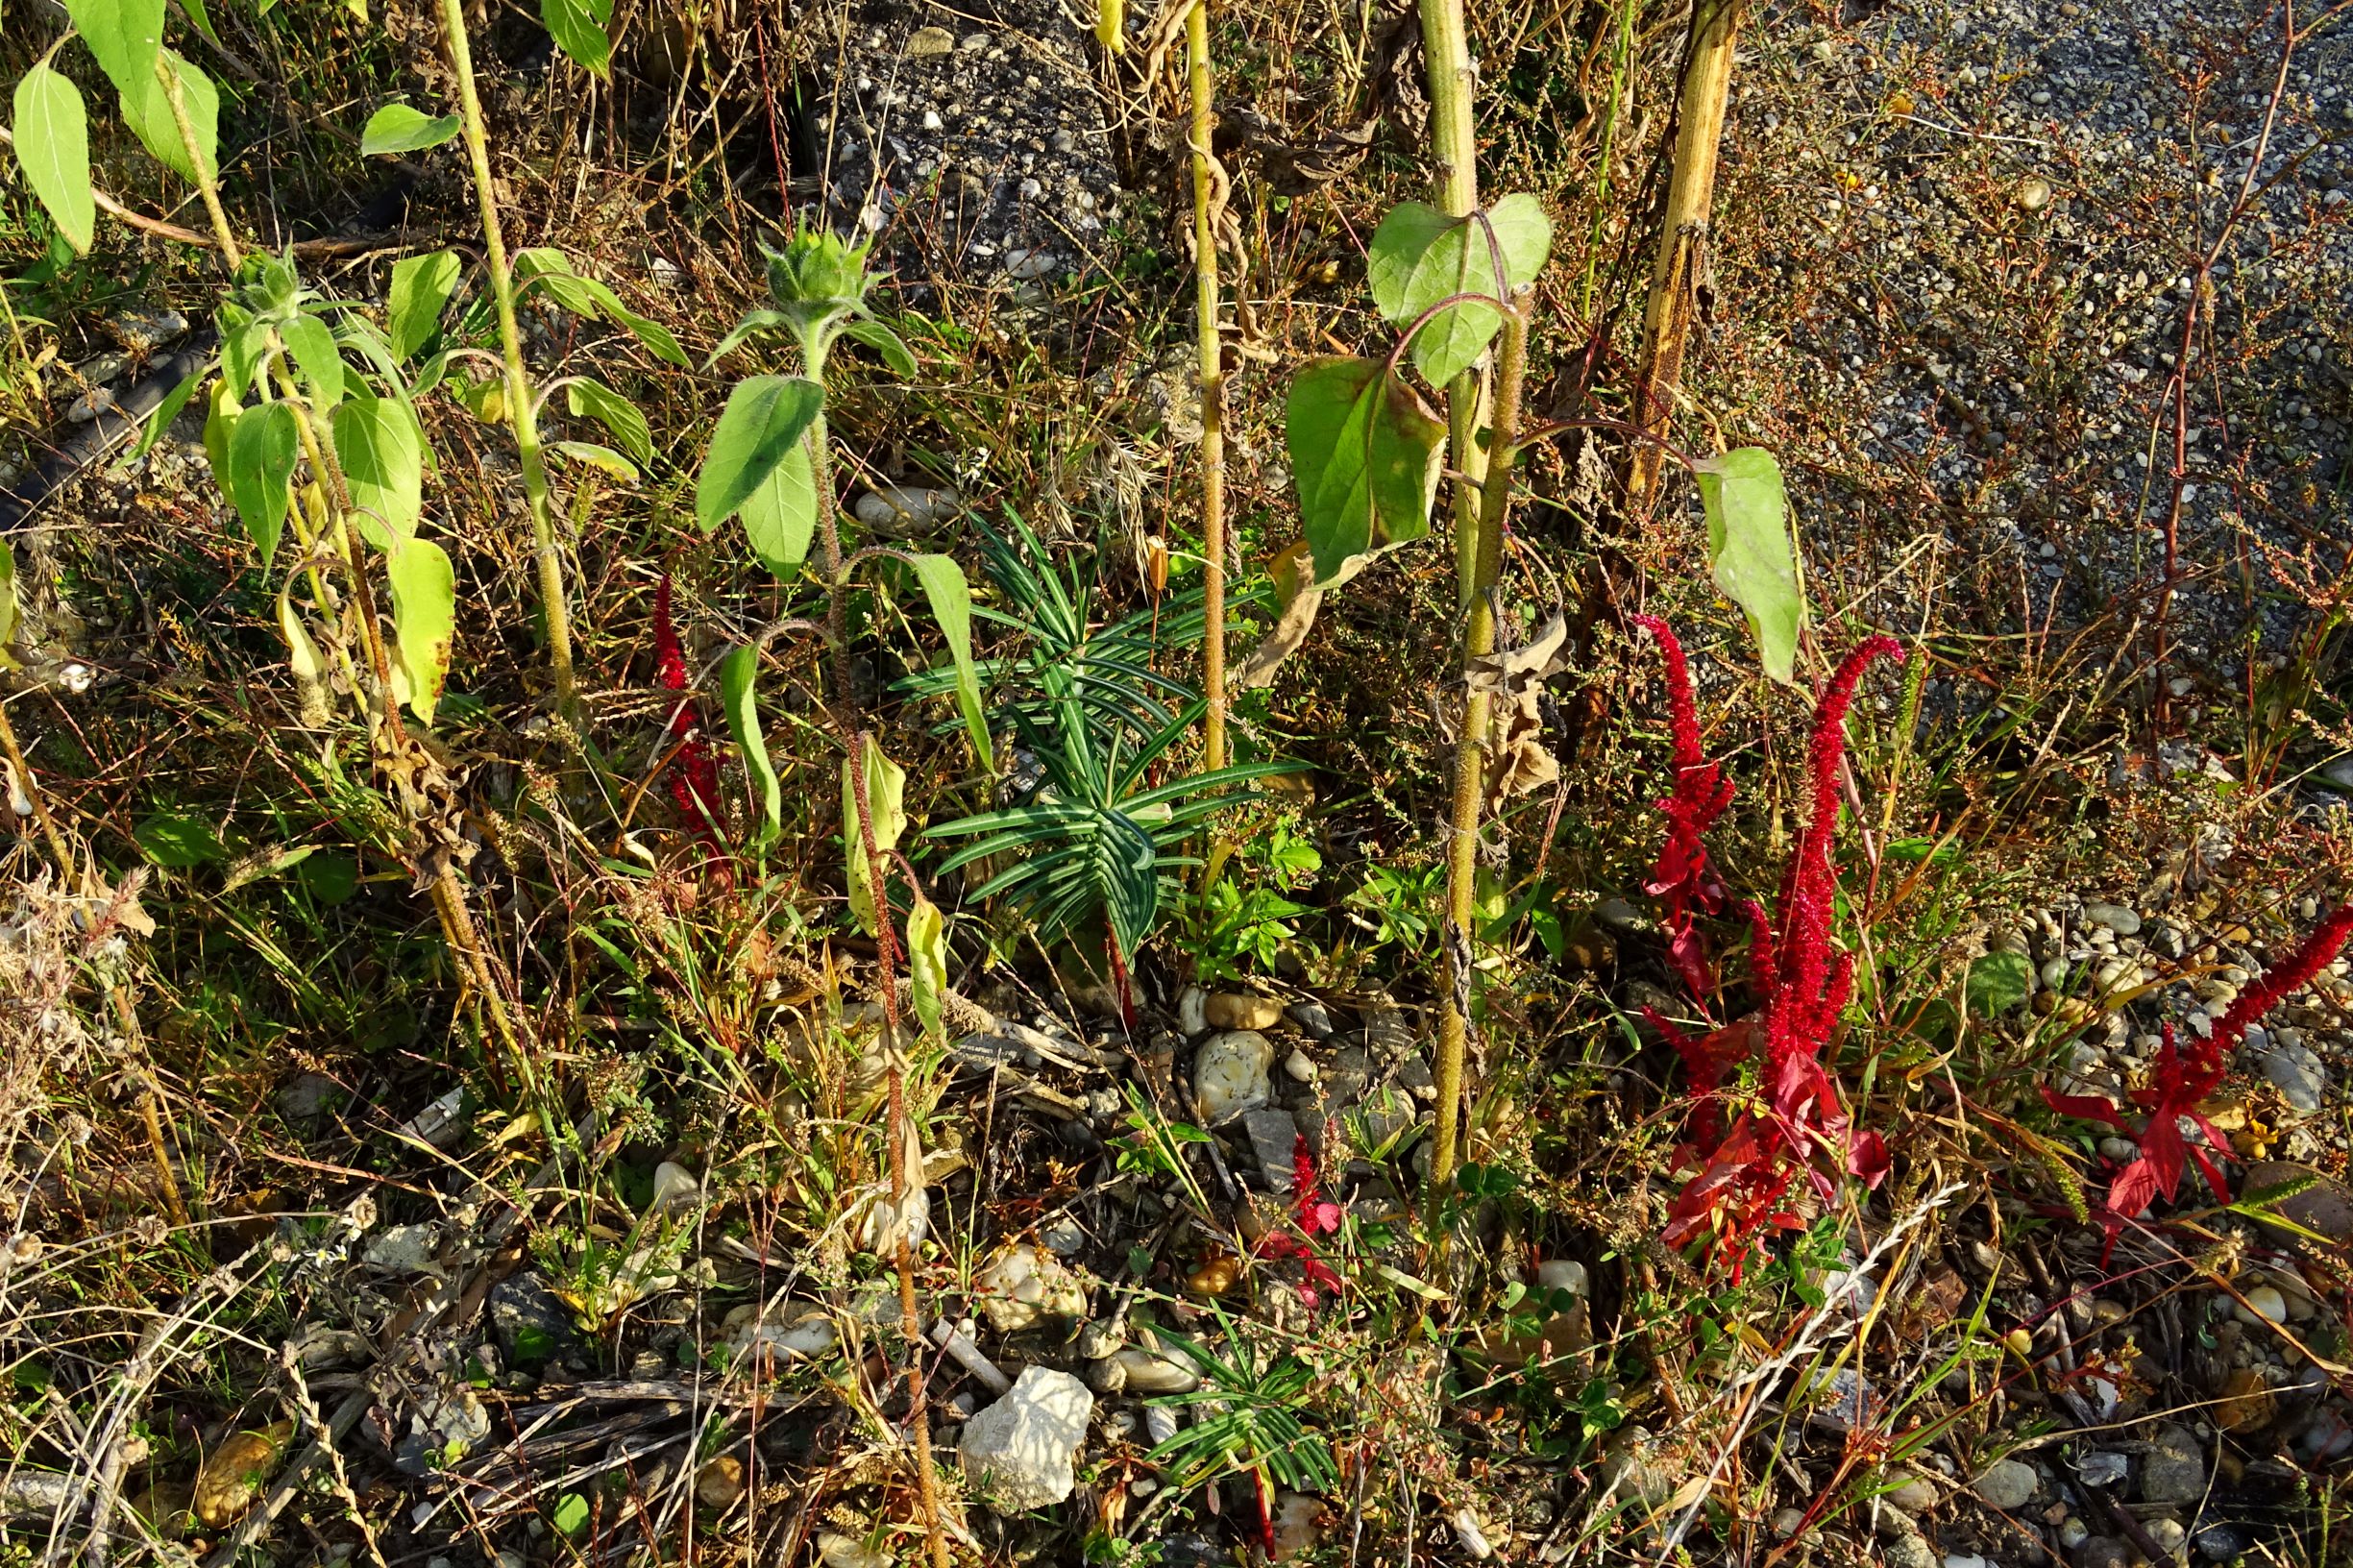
207 185
1453 144
1683 240
1207 198
546 553
904 1142
1470 743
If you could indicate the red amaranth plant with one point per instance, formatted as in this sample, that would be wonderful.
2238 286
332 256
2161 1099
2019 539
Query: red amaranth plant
1682 879
1801 985
694 782
2178 1084
1316 1215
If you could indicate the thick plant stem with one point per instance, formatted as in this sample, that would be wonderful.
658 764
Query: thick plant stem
1470 744
546 553
904 1142
1208 196
206 184
1453 143
1683 240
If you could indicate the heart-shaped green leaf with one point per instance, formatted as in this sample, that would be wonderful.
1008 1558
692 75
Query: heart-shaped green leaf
763 419
1366 452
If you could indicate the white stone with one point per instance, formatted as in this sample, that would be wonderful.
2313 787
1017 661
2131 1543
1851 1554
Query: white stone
1563 1274
404 1249
1300 1066
2124 922
1229 1074
674 1187
1149 1374
2268 1303
1192 1012
900 510
835 1550
1020 1451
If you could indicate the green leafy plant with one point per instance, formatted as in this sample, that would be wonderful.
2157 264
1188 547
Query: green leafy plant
1240 922
1248 1419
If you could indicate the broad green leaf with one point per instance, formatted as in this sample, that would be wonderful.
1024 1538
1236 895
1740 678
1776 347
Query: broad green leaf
244 341
396 128
53 147
886 793
738 673
1125 866
577 27
1420 255
168 411
263 447
7 603
382 450
178 842
587 297
1997 982
424 619
1748 550
883 341
421 285
1365 452
951 608
596 457
148 111
763 421
313 348
928 961
570 1515
124 35
780 517
615 413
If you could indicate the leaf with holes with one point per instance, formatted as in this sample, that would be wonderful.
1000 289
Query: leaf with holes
53 148
738 673
928 961
424 619
1748 550
263 446
1365 452
1420 255
886 795
421 287
396 128
764 418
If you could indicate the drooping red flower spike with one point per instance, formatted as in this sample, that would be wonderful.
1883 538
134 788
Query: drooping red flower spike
1801 985
694 784
2179 1083
1682 878
1316 1215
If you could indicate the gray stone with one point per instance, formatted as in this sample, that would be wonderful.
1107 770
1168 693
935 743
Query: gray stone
2102 1468
529 1324
1914 1494
2124 922
2220 1543
1312 1019
2174 1472
1020 1451
2006 1484
1908 1549
2297 1073
2103 1551
1273 1138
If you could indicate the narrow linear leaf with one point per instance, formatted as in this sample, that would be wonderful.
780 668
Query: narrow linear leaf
7 605
203 19
1748 550
160 420
424 619
421 287
951 609
780 517
53 147
763 421
596 457
262 451
396 128
737 674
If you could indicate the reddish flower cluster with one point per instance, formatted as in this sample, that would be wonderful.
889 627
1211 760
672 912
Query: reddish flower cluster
1683 880
695 783
2179 1083
1802 986
1316 1215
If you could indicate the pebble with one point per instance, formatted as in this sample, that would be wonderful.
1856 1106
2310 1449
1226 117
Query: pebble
2102 1468
1229 1074
2006 1484
1192 1012
1274 1138
1312 1018
2124 922
1239 1010
1020 1451
1563 1274
1147 1373
900 510
720 1483
2168 1533
1788 1522
2174 1472
2220 1543
2263 1304
1964 1559
1916 1495
1024 1285
1300 1066
2103 1551
2074 1532
2297 1073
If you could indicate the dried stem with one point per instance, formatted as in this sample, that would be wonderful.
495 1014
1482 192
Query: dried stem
1208 197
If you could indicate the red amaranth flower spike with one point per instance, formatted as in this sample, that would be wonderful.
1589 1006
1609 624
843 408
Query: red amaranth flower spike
1683 877
694 784
2179 1083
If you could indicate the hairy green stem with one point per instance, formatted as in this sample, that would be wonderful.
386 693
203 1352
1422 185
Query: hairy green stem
1453 143
1207 198
546 551
1470 744
207 187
